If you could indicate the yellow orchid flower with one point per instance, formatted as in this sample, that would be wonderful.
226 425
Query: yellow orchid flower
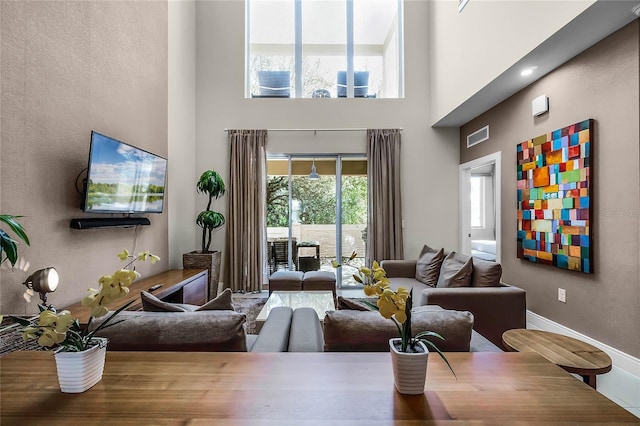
29 333
124 254
90 299
98 311
386 307
105 280
64 322
63 329
50 337
125 277
370 290
47 319
401 315
143 255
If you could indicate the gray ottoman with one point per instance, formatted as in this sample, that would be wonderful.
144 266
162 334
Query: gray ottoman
285 281
319 280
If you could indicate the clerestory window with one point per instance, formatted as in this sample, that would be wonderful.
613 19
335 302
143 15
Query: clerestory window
324 48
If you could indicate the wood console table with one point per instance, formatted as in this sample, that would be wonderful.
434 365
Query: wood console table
176 285
226 388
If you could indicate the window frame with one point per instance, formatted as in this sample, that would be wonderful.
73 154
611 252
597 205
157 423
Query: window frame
298 88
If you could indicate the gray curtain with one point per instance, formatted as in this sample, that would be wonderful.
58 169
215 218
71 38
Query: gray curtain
246 220
384 223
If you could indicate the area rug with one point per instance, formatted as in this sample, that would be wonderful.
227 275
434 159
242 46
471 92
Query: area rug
251 308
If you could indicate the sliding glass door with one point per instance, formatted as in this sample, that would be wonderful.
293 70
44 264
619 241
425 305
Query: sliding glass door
316 212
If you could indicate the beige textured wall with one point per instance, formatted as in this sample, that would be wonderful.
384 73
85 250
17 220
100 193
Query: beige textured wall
602 83
68 68
428 155
182 130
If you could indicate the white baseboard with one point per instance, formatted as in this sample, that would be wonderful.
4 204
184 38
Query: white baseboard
621 384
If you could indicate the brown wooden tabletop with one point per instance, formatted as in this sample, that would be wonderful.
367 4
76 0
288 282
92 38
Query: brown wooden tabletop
574 355
215 388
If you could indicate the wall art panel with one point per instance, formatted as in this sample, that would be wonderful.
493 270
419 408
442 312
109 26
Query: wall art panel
554 198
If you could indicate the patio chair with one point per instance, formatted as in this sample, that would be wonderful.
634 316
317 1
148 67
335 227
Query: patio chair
360 84
281 253
274 84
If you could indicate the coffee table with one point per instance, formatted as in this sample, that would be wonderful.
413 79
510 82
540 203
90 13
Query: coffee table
573 355
300 389
320 301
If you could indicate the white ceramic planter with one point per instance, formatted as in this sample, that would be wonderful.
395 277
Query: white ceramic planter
79 371
409 369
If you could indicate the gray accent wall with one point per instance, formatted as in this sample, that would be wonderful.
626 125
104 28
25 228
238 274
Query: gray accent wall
602 83
68 68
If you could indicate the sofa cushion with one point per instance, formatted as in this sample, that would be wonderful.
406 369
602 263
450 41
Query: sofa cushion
151 303
274 335
222 302
485 273
428 265
306 331
209 331
455 271
358 331
355 304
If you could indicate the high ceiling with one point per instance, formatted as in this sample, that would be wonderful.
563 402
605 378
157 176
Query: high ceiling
600 20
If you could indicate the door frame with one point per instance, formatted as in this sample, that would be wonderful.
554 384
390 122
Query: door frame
465 202
339 157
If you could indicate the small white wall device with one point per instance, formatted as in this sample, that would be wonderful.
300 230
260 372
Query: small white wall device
540 105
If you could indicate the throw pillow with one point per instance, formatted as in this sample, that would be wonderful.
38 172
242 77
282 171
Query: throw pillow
354 304
428 265
151 303
221 303
455 271
485 273
354 331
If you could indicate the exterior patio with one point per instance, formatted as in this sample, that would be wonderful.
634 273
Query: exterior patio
325 237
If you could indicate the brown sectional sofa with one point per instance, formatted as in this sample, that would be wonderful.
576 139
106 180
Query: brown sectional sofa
495 309
285 330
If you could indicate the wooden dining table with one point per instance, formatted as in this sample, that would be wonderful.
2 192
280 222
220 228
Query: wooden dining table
141 388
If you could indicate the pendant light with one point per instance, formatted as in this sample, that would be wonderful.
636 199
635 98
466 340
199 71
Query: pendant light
313 175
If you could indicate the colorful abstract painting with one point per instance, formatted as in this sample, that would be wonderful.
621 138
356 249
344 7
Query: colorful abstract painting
554 198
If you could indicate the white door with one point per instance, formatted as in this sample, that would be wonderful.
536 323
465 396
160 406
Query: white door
480 203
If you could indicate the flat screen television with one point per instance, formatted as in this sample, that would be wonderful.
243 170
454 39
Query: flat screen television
122 178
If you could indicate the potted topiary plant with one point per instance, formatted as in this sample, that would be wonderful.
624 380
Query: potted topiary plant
210 183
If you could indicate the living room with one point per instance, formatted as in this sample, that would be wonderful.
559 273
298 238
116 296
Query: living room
168 77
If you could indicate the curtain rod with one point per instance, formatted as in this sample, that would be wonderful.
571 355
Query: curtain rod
352 129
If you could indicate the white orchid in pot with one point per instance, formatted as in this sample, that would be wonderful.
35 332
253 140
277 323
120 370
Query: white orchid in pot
64 334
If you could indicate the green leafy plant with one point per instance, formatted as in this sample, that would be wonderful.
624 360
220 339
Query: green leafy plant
394 305
9 246
210 183
64 332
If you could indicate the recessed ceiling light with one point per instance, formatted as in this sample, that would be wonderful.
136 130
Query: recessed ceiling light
527 71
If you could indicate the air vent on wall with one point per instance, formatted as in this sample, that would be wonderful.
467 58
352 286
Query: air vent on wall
478 136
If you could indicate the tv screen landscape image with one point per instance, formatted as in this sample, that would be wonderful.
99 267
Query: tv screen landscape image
123 179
